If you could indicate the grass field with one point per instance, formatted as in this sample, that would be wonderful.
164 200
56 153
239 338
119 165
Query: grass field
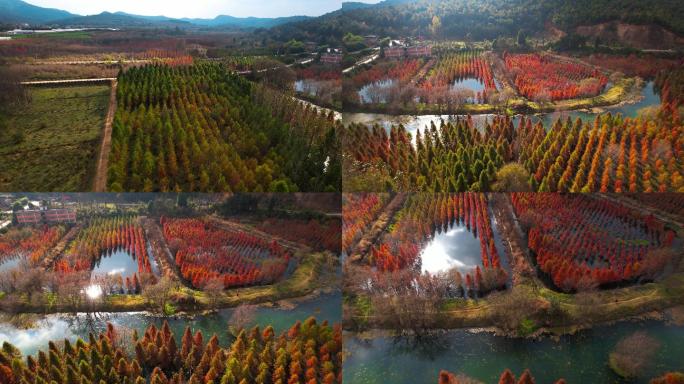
51 143
49 71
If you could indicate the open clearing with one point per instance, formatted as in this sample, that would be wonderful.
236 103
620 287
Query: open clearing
60 129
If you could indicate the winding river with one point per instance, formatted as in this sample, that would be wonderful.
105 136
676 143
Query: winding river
326 306
415 122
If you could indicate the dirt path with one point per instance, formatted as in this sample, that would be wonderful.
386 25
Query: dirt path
576 60
512 238
70 81
366 60
499 68
91 62
420 76
100 183
162 254
362 248
55 252
667 217
235 226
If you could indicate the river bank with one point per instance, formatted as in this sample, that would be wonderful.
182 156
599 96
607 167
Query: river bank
646 97
626 91
563 314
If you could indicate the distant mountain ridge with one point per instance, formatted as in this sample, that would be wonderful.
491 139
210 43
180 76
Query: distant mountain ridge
351 5
18 11
246 22
224 20
113 20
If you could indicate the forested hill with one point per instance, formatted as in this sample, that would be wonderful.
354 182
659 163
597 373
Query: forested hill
484 19
325 29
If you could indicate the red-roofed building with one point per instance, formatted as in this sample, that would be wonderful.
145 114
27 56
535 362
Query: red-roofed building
394 52
35 216
331 58
28 217
422 50
60 216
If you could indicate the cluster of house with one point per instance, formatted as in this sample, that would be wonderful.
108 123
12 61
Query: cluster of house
332 56
37 216
400 47
413 51
27 211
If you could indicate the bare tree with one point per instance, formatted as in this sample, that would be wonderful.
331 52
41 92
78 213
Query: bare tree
616 76
588 308
407 95
160 293
30 282
509 309
214 289
242 316
409 302
109 283
416 314
457 96
71 290
11 90
377 93
633 354
502 97
528 219
543 96
121 336
660 263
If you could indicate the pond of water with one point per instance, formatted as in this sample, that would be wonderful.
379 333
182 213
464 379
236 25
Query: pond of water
118 262
470 83
10 263
456 247
113 264
306 86
376 92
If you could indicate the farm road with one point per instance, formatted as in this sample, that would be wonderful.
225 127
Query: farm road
362 248
100 182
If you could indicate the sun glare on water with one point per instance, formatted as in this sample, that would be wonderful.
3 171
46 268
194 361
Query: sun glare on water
93 291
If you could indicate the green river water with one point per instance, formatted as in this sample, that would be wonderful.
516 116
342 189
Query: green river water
580 358
326 306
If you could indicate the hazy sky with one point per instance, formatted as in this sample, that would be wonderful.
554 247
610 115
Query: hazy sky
197 8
